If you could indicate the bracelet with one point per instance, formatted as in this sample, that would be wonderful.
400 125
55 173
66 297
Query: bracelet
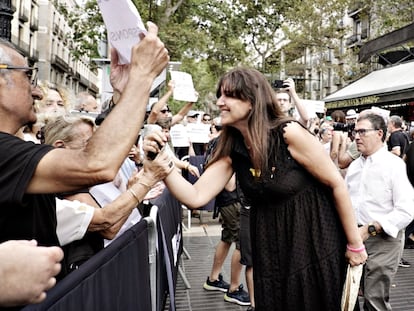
355 250
133 194
145 185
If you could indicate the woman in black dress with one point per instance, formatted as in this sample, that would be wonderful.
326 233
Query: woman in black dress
303 226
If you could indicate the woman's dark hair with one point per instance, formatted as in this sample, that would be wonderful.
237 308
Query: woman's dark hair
250 85
338 116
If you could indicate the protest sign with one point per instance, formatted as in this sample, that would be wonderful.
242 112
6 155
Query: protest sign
124 25
183 87
179 136
198 132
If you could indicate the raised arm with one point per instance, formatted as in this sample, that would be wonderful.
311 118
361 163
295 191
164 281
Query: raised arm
109 219
63 170
210 183
297 102
344 158
155 111
183 111
177 118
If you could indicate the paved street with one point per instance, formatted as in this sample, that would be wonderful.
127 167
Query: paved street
200 241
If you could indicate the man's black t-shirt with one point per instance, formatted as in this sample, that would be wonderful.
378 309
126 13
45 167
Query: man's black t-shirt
24 216
398 138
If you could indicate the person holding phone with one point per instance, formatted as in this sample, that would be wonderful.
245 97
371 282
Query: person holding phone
289 101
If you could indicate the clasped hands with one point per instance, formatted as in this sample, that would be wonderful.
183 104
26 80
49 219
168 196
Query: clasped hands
156 153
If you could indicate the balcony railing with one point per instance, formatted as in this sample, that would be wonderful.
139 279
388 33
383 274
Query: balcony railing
34 23
34 55
24 15
60 62
354 39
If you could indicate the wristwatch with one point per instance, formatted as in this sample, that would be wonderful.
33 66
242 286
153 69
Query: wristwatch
372 230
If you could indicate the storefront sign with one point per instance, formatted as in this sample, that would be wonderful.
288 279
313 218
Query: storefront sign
353 102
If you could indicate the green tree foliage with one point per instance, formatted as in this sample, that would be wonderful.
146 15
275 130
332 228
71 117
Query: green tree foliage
210 36
88 30
262 29
315 25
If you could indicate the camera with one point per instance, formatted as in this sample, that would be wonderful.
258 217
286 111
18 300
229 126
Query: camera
344 127
278 84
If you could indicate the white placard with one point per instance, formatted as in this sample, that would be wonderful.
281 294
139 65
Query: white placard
179 137
198 132
124 25
183 87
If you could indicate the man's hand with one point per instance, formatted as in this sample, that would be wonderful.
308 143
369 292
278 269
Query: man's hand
149 57
289 85
27 271
119 73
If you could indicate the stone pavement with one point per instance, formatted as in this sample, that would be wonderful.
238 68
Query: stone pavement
200 241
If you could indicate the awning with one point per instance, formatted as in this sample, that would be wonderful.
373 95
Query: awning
376 87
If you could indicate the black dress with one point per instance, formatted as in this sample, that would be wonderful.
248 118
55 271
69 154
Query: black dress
298 242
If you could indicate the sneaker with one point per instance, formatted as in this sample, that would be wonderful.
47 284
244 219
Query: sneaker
219 284
239 296
404 263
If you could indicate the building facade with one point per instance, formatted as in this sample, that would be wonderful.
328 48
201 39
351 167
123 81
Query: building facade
330 73
41 33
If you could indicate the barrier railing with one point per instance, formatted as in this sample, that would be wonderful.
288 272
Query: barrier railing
138 271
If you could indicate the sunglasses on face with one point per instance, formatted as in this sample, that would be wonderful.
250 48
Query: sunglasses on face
31 72
165 110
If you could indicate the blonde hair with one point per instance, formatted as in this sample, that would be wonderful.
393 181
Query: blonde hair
46 87
64 128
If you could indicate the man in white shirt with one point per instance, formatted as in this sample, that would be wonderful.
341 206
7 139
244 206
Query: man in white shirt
383 199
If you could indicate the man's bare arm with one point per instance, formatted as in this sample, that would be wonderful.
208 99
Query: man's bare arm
63 169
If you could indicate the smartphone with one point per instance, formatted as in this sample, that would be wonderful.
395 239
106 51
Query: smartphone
278 84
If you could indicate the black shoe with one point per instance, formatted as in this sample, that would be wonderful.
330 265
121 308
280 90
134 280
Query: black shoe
239 296
404 263
219 284
250 308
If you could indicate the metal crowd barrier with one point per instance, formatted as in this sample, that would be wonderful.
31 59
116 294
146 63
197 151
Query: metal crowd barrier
138 271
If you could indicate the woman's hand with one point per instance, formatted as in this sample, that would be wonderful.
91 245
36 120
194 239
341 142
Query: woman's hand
356 256
159 168
153 143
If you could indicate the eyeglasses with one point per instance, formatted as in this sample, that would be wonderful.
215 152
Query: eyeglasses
31 72
165 110
206 119
362 132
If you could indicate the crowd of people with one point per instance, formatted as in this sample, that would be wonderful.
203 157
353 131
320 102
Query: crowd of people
301 196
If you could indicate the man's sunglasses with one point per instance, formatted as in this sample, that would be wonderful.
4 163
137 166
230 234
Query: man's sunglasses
31 72
165 110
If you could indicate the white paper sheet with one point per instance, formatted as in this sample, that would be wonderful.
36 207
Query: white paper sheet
123 24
